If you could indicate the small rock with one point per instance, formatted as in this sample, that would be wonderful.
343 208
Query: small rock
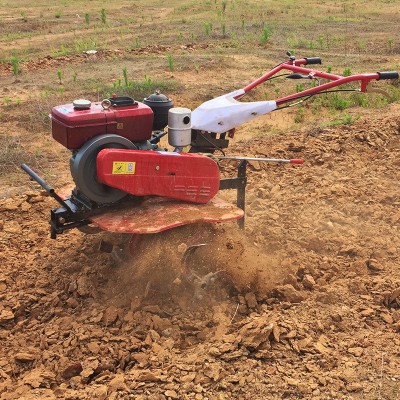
321 348
25 206
255 165
354 387
251 300
72 370
39 378
308 282
356 351
110 315
188 378
291 279
36 199
255 332
6 316
367 312
182 248
387 318
291 294
147 376
214 351
394 295
93 347
171 393
373 266
292 382
71 302
117 383
100 392
13 227
24 357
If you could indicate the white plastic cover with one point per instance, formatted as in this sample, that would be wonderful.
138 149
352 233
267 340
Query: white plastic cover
224 112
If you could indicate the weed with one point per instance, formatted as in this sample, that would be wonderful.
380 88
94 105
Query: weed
345 119
223 27
87 18
125 75
57 14
23 15
329 69
82 45
390 44
338 102
347 71
321 42
103 15
362 44
138 89
300 115
299 87
207 28
15 66
12 154
170 60
265 35
6 101
224 4
74 76
62 51
137 43
59 75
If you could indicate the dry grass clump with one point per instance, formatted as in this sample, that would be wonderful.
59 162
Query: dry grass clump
13 154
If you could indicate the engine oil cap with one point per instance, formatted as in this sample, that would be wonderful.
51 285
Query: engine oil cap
82 104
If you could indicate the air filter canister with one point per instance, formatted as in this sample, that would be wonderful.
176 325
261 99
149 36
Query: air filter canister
179 127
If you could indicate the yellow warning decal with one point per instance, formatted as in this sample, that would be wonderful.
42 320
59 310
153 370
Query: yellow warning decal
123 167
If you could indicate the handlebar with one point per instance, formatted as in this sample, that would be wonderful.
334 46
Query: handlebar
298 70
313 60
388 75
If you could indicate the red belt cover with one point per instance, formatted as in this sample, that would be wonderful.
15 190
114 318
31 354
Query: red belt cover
183 176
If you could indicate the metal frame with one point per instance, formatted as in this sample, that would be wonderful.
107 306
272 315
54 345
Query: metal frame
239 183
75 212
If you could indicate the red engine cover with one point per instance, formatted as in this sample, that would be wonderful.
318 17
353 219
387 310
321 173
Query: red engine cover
73 127
183 176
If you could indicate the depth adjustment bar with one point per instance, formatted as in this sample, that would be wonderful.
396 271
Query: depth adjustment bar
239 183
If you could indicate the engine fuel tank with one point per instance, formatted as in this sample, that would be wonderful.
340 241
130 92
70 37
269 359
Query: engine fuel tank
73 124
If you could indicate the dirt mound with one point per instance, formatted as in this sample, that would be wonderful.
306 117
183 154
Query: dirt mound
307 305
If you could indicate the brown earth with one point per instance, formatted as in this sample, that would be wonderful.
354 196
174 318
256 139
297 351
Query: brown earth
307 300
310 308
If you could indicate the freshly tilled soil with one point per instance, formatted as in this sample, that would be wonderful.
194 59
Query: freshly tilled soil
307 304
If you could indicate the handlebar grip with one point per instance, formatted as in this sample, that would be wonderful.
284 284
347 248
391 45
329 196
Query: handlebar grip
388 75
313 60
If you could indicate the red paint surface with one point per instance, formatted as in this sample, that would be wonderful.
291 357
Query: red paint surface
157 214
183 176
72 127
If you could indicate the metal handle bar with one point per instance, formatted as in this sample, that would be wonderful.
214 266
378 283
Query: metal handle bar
335 80
45 186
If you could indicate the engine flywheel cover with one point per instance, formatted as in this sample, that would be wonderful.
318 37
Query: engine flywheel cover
84 170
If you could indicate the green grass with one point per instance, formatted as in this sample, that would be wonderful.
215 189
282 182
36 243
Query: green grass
170 60
248 21
15 65
138 89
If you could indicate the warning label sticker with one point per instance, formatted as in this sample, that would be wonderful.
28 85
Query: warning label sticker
123 167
